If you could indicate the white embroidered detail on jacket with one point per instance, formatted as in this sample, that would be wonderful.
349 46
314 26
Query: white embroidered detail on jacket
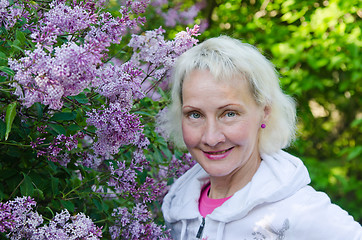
281 232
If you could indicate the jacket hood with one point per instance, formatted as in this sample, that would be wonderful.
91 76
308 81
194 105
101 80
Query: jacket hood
279 176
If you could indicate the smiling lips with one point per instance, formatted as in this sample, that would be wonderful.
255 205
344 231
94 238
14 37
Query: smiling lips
217 155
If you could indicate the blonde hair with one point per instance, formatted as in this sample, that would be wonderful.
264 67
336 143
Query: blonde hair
225 58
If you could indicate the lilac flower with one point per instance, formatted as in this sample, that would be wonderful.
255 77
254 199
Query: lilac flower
60 20
109 30
161 115
24 219
21 222
136 225
47 74
65 226
119 83
115 127
156 56
159 3
187 17
56 151
44 78
123 178
10 15
6 221
176 15
178 167
90 160
150 190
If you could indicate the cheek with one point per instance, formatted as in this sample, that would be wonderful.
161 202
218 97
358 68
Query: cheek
243 133
189 135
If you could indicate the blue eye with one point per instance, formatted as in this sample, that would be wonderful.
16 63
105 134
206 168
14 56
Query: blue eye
194 115
230 114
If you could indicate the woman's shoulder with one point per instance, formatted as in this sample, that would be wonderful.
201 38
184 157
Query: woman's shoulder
313 212
306 214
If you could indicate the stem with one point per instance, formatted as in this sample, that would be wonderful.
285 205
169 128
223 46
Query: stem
16 188
83 183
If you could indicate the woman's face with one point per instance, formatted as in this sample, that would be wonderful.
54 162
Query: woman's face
220 123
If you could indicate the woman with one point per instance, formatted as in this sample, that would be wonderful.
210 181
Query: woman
229 111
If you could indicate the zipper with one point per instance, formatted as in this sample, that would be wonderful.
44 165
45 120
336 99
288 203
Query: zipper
201 229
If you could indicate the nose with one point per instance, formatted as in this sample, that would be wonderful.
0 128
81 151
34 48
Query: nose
212 134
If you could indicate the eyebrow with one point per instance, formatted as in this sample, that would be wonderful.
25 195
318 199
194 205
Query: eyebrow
221 107
230 104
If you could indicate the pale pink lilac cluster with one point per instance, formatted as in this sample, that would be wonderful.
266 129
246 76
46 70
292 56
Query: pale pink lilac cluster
115 127
177 14
10 15
136 225
20 221
156 56
50 72
119 83
41 77
62 19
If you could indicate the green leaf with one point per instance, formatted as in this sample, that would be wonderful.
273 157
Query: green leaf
38 194
15 47
98 204
9 118
3 59
81 98
21 37
74 128
357 151
39 110
63 116
26 187
58 128
68 205
7 70
55 183
2 129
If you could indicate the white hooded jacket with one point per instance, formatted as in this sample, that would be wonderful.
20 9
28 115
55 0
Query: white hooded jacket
276 204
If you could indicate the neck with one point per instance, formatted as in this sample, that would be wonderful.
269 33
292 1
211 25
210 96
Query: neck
226 186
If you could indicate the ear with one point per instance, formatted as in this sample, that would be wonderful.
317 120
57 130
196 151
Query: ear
267 112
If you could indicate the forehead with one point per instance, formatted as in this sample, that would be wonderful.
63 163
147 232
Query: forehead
201 84
206 77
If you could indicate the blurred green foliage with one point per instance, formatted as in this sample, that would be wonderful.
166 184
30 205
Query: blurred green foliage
315 46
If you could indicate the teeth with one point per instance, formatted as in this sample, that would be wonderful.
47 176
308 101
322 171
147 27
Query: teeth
216 153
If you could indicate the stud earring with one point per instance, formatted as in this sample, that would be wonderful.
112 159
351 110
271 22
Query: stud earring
263 125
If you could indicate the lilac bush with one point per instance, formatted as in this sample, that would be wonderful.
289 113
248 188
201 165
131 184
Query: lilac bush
82 159
21 221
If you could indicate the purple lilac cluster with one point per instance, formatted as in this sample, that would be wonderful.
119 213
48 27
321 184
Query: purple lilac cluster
176 15
119 83
178 167
47 77
115 127
136 225
56 150
124 178
19 220
156 56
10 15
51 72
60 20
